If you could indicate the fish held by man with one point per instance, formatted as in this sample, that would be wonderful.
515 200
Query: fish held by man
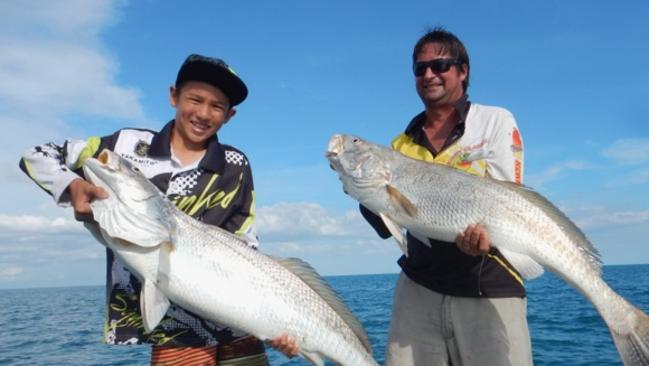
439 202
214 273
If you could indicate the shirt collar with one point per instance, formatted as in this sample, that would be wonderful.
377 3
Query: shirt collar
213 160
461 108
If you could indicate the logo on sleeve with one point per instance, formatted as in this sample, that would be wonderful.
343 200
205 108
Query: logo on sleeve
141 148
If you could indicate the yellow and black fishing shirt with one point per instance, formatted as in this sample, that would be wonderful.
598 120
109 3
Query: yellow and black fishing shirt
485 142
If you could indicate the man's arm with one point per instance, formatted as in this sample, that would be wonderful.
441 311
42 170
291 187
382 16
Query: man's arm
506 153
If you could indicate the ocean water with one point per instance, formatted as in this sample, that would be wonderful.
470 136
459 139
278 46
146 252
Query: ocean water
63 326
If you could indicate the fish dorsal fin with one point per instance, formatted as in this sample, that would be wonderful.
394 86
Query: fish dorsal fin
153 304
526 266
567 226
396 231
401 201
128 225
309 275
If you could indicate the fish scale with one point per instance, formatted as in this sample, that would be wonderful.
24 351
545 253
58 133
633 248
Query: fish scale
436 201
242 270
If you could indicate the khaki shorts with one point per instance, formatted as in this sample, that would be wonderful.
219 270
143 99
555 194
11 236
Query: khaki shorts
428 328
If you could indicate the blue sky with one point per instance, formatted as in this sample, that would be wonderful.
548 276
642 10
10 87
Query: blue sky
574 73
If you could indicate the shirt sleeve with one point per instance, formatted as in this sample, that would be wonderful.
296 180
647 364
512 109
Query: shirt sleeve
505 157
52 167
375 221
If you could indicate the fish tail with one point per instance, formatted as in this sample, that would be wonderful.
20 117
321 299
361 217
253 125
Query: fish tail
633 346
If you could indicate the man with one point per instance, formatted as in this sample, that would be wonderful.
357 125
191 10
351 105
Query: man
457 303
186 161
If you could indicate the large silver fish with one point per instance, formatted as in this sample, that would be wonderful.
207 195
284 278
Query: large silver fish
215 274
437 201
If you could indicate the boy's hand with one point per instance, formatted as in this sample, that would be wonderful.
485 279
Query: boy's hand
81 194
286 345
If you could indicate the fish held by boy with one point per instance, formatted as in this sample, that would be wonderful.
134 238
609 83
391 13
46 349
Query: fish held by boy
214 273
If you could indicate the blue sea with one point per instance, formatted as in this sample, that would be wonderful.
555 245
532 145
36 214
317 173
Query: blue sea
63 326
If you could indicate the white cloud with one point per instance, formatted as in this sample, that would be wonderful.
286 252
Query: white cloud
639 176
53 65
24 224
553 172
308 229
290 220
10 273
628 151
602 217
51 60
66 17
624 179
62 76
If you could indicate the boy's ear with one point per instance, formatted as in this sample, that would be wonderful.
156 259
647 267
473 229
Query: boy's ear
173 96
231 114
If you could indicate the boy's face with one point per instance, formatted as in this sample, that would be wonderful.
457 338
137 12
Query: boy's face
201 110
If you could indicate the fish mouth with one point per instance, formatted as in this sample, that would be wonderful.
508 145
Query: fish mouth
104 157
335 147
95 169
106 160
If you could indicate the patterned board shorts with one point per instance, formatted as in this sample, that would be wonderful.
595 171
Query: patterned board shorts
247 351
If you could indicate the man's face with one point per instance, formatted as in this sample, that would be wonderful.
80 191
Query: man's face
442 88
201 110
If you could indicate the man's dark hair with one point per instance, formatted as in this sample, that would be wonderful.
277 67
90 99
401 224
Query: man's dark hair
448 43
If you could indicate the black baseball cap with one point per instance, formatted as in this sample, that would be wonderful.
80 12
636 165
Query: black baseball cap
213 71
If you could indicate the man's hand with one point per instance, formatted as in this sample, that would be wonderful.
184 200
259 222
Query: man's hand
81 194
474 240
287 345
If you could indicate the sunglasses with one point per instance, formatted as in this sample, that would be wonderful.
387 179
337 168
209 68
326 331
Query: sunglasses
437 66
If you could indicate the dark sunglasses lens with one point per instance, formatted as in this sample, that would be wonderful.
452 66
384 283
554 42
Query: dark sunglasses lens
438 66
420 68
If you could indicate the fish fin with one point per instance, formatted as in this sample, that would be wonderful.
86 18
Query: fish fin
164 264
421 238
309 275
314 357
129 225
95 230
401 201
153 304
397 232
526 266
634 345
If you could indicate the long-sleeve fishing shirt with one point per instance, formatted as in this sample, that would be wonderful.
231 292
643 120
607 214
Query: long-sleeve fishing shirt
216 190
